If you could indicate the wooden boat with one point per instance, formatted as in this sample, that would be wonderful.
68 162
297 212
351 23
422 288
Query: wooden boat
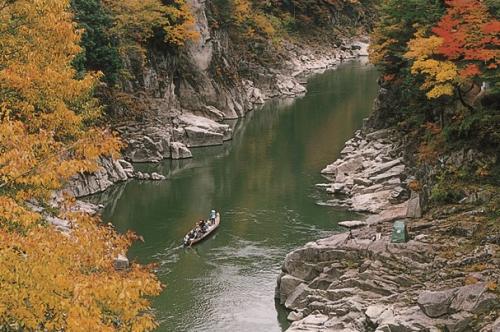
212 226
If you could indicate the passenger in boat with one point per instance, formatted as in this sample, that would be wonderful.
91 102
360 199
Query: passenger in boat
202 225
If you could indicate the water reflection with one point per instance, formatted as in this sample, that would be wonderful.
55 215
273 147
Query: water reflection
263 183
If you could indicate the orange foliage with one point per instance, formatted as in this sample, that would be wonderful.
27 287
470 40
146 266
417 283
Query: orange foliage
50 280
464 46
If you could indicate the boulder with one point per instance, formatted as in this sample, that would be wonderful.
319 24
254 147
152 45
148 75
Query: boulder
313 322
62 225
347 168
287 285
436 304
372 202
197 136
85 207
143 149
377 314
297 297
179 151
474 298
155 176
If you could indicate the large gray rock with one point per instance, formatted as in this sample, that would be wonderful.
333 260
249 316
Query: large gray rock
436 304
197 136
379 313
475 298
62 225
348 168
143 149
372 202
296 299
287 285
179 151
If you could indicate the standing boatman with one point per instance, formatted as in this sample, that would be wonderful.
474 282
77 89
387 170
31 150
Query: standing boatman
212 216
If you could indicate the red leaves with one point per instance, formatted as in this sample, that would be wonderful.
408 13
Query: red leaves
469 34
491 28
470 70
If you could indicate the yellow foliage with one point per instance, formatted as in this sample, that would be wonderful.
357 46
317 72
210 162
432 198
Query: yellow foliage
181 27
252 21
49 280
135 20
57 282
440 75
421 47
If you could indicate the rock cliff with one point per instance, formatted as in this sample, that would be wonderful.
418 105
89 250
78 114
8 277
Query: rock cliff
175 100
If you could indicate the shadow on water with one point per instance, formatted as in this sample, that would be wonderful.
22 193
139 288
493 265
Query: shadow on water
263 183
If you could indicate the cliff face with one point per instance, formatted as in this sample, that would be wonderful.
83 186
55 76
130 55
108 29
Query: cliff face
174 100
184 95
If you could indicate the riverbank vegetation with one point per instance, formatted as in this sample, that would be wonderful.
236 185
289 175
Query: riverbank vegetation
52 279
439 64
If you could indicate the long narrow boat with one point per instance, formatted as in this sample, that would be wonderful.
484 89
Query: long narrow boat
212 226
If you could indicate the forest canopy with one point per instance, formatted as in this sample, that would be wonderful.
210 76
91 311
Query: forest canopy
52 279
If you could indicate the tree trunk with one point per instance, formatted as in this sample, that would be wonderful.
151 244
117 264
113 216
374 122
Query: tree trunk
461 97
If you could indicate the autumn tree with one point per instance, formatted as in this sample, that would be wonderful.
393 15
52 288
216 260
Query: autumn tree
137 20
51 280
397 23
113 30
462 50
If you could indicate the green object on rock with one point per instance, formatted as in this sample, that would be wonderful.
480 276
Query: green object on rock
399 232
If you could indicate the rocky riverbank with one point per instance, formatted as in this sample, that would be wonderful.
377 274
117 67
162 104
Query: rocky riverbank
370 176
170 128
443 279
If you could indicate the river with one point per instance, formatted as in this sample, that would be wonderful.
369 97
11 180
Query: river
263 182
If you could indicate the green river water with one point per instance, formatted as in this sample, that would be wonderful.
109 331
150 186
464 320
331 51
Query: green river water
263 183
